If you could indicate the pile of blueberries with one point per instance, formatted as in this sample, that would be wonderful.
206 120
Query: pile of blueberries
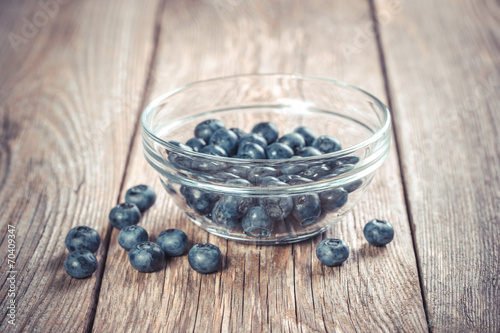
257 217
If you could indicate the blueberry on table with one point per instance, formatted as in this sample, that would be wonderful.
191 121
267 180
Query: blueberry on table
378 232
333 199
332 252
256 174
131 235
83 238
326 144
173 242
309 151
307 133
277 207
278 151
205 258
213 150
268 130
251 151
253 138
146 257
239 132
226 139
196 144
143 196
294 141
257 223
200 201
205 129
306 208
124 215
80 264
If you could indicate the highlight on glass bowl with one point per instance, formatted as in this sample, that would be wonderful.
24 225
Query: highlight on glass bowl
266 158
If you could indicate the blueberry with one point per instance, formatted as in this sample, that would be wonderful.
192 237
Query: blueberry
80 264
253 138
205 129
173 242
277 207
146 257
213 150
351 187
131 235
256 174
83 238
378 232
315 172
226 139
326 144
278 151
257 223
196 144
307 134
332 252
251 151
124 214
309 151
222 217
294 141
180 161
143 196
239 132
181 145
205 258
268 130
200 201
306 208
333 199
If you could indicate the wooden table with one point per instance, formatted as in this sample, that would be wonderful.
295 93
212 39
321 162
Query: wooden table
75 76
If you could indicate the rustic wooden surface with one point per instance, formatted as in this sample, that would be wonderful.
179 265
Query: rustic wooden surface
70 98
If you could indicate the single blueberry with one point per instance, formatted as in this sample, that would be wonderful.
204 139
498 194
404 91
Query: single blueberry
205 258
226 139
146 257
307 133
251 151
80 264
82 238
294 141
332 252
196 144
221 216
326 144
213 150
306 208
239 132
378 232
205 129
131 235
309 151
143 196
200 201
256 174
257 223
278 151
268 130
253 138
124 214
173 242
333 199
277 207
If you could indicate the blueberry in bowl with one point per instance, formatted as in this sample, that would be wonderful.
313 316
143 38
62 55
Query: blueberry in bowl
268 159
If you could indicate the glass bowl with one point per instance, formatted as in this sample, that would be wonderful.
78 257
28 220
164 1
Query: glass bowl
273 213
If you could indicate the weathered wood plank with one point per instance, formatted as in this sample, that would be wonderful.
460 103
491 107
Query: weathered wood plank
69 96
443 68
281 288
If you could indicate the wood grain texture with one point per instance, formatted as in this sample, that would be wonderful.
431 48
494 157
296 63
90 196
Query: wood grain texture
280 288
69 98
444 73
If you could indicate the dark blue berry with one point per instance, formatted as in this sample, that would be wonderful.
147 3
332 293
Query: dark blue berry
268 130
83 238
306 208
239 132
143 196
326 144
173 242
256 174
146 257
257 223
251 151
124 214
131 235
277 207
213 150
332 252
307 134
205 258
309 151
294 141
196 144
80 264
222 217
278 151
253 138
200 201
205 129
180 161
333 199
378 232
226 139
